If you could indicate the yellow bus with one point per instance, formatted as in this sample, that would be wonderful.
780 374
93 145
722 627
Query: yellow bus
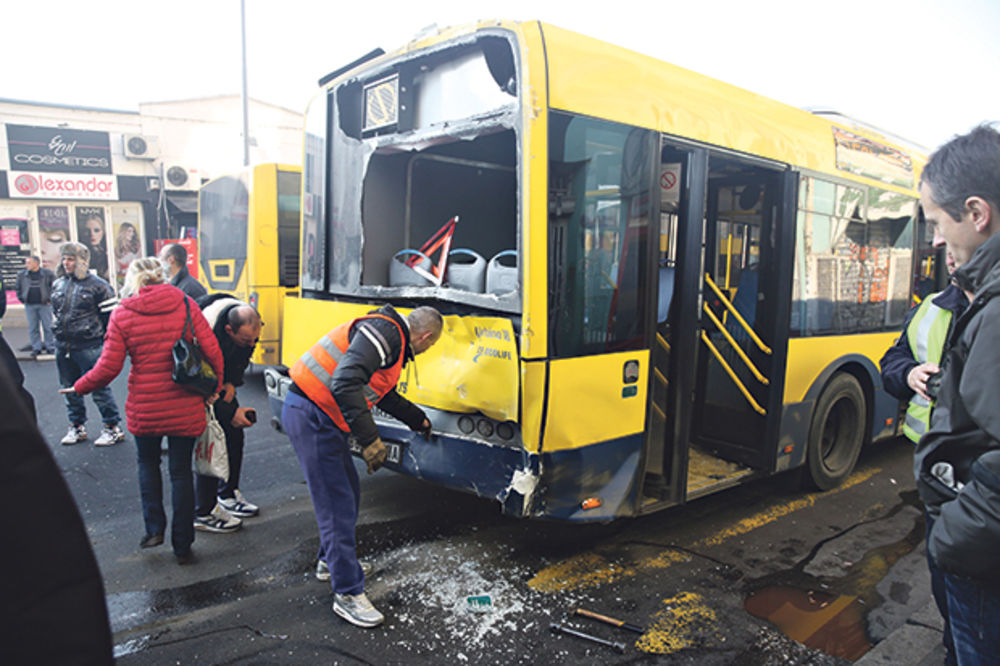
248 243
656 285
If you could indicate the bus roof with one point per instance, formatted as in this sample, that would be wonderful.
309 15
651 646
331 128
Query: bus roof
592 77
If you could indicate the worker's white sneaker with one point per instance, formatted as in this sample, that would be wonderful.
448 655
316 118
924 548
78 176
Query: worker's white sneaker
356 609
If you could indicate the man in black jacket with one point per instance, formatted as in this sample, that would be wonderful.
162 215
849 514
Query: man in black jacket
173 256
219 505
79 329
34 289
957 463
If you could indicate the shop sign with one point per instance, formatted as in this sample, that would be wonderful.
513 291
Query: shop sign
58 150
25 184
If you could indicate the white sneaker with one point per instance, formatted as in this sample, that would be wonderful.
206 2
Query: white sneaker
356 609
323 571
74 435
110 435
239 506
219 521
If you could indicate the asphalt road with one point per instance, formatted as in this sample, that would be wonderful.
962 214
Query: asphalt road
837 570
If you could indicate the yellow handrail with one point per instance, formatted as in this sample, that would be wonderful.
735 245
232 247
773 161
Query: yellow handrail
739 350
729 306
732 375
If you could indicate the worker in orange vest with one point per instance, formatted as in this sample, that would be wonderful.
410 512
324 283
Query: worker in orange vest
336 383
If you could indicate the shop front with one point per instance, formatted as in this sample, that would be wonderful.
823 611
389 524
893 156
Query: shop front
61 187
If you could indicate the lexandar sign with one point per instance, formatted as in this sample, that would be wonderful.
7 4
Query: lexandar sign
58 163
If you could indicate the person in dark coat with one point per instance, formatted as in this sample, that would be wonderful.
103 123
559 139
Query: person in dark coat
220 505
79 329
34 290
957 463
145 326
52 607
173 256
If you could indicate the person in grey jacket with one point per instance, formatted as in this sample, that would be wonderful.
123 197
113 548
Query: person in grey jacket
79 329
173 256
957 463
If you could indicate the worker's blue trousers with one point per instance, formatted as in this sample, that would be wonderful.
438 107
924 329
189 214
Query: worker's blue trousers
333 485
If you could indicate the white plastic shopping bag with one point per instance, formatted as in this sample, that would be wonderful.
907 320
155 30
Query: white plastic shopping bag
210 456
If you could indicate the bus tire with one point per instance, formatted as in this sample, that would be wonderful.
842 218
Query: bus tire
836 433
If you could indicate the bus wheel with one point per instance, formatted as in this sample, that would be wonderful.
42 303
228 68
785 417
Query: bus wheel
836 433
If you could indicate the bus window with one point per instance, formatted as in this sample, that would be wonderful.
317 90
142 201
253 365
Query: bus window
289 198
414 144
224 210
599 212
852 258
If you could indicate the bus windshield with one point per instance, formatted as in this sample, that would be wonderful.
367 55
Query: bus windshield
432 138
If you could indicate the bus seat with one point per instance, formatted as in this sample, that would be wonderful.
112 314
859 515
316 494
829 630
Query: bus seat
466 270
401 275
665 294
501 279
745 300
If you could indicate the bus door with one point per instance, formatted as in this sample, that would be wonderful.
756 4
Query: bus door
676 279
740 372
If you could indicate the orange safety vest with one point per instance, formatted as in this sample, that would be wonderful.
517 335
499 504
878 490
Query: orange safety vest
313 372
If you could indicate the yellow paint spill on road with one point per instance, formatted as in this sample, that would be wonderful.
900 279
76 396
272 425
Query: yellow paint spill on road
591 569
682 624
780 511
581 571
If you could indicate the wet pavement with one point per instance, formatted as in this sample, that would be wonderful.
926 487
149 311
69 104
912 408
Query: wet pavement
761 574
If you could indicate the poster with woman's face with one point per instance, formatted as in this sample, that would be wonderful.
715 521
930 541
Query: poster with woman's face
53 229
92 232
127 243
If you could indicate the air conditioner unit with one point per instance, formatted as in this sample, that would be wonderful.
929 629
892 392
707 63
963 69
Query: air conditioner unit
139 147
178 177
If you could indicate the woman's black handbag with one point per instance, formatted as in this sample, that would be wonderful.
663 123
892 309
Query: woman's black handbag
191 370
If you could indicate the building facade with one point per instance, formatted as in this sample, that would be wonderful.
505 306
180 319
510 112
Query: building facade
118 181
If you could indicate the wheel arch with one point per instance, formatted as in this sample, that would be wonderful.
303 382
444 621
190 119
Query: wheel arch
868 376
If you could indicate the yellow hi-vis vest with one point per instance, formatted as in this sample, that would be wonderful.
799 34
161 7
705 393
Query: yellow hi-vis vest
927 333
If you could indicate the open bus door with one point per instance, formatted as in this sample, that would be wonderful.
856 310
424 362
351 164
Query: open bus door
718 354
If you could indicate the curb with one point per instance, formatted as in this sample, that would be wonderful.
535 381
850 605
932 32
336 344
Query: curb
917 642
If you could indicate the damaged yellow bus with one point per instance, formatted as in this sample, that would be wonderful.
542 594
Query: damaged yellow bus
655 285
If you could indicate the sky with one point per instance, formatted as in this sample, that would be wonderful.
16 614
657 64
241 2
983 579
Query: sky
921 69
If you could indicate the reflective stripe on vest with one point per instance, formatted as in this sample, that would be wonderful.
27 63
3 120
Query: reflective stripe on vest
927 333
313 372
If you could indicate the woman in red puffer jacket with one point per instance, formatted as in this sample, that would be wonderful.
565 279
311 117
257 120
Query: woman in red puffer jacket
145 325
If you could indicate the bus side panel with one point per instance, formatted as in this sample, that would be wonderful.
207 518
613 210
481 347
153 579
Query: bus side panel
262 255
605 471
492 472
533 376
598 79
808 358
595 399
472 368
306 320
270 301
815 360
534 203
